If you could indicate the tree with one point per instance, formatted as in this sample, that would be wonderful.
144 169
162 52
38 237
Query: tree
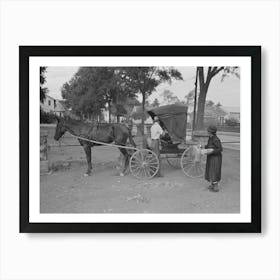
82 93
155 103
118 110
43 90
138 114
108 88
209 103
116 89
204 82
169 97
124 107
144 81
130 104
189 98
95 88
147 103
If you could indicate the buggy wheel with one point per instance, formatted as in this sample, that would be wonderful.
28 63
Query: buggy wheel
193 163
144 164
174 161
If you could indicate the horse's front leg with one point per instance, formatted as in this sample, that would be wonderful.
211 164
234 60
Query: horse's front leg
87 149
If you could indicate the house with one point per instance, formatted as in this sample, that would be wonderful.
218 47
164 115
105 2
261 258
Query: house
213 114
52 105
232 112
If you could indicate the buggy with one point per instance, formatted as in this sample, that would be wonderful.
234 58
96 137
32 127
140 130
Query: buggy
174 147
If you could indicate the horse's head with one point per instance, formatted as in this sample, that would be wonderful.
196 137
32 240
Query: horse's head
60 129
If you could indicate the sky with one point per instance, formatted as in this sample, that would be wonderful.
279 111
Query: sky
226 92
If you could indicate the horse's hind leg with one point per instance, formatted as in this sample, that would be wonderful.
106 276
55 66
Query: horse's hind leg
87 150
126 160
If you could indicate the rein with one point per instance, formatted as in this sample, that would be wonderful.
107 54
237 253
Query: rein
102 143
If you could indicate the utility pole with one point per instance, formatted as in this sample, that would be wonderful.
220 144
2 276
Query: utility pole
194 106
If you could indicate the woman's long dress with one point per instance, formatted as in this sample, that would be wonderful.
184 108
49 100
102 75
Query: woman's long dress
214 160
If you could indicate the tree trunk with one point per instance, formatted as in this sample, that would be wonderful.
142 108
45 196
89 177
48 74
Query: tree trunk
200 109
143 112
144 142
194 103
109 109
203 86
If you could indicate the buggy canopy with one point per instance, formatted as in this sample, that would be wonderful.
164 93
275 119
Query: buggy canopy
173 118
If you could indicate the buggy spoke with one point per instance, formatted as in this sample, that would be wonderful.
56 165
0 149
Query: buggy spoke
137 159
142 172
153 168
136 168
151 172
139 173
135 165
146 173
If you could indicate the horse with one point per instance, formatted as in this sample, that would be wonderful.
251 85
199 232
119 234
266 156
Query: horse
101 132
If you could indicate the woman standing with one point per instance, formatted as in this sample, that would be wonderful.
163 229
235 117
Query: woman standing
214 159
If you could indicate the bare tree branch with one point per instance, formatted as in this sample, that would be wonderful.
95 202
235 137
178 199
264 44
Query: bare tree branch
216 71
209 74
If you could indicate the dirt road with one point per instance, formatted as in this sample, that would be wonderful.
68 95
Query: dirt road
66 190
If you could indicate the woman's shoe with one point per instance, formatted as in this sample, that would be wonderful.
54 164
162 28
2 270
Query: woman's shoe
215 188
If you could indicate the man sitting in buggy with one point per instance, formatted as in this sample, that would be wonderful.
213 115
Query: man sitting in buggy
165 138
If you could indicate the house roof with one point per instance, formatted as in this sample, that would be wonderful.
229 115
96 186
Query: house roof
59 106
231 109
50 97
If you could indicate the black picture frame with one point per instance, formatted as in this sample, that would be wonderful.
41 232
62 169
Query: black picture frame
254 52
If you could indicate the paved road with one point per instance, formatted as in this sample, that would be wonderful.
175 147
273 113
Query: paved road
230 140
234 138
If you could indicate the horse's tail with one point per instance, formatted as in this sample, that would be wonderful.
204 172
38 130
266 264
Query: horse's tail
112 133
131 138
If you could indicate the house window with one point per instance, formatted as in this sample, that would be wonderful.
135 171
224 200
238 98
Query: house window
49 103
54 103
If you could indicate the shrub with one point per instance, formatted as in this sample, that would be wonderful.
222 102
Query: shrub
232 122
47 117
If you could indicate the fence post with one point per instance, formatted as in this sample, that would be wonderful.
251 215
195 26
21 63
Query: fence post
44 162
